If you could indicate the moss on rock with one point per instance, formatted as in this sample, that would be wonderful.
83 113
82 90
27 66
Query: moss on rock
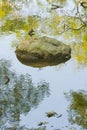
42 52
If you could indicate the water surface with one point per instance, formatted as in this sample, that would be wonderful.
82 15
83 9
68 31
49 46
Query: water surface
27 93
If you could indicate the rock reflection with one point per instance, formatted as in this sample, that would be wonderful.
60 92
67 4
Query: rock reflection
41 63
78 108
18 96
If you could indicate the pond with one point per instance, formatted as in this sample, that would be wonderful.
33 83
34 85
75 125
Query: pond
45 98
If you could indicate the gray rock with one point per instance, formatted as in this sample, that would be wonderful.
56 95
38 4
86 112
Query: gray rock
43 52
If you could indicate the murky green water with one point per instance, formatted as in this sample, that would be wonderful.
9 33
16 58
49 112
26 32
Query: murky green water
27 93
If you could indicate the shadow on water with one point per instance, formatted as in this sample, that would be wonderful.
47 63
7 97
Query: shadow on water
18 95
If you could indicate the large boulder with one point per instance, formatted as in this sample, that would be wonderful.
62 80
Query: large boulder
42 52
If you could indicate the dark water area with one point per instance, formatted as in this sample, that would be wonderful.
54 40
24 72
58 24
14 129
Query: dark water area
28 94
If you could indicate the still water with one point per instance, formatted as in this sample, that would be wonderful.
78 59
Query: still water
28 93
62 79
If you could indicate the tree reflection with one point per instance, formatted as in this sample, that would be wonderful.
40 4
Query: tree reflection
67 21
18 95
78 108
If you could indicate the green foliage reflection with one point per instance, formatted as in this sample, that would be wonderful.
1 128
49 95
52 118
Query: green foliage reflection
19 25
18 94
78 108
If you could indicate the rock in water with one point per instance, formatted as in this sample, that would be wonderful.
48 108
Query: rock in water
43 52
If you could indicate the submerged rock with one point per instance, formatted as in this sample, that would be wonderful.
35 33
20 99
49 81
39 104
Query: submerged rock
51 114
42 123
43 52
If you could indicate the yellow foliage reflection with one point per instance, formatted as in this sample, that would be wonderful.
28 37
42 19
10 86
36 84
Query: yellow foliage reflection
5 8
80 50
